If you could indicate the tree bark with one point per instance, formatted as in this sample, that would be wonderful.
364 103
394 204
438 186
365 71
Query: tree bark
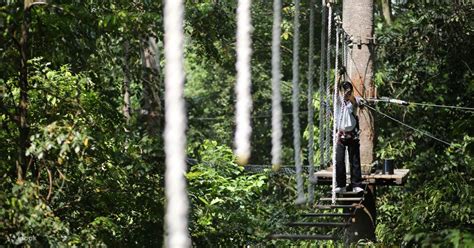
126 82
358 19
386 9
151 100
23 127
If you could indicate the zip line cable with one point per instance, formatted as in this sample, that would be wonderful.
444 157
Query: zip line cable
253 117
400 122
402 102
442 106
406 125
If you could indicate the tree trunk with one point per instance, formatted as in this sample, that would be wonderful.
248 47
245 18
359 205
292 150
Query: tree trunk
23 127
386 9
358 18
151 100
126 82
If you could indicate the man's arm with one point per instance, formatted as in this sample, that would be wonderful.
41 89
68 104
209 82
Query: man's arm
357 100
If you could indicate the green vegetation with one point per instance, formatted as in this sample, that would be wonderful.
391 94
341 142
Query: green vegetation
76 170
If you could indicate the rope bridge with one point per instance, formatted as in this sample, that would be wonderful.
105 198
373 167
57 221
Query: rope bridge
177 202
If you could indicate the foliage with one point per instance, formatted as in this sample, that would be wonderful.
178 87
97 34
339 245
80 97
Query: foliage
223 198
425 57
96 177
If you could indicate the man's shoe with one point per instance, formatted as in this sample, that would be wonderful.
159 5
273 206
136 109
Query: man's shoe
339 190
357 189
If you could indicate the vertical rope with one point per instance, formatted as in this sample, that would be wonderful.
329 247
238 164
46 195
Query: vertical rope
321 85
344 54
176 217
276 93
296 92
244 98
328 84
310 102
335 117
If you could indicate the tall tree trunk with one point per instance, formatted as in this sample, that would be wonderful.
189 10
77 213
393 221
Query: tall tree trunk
23 127
358 19
126 82
386 9
151 100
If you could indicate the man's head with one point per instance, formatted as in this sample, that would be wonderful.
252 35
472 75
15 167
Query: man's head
346 89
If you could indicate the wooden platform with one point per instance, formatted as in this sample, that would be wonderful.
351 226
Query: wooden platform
398 178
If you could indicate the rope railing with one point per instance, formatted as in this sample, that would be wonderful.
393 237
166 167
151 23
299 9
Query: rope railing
244 98
276 83
328 85
321 85
310 104
335 108
295 96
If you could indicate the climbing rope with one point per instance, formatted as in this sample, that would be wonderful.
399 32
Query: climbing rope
335 110
310 103
244 98
345 42
322 106
296 91
328 84
276 93
176 217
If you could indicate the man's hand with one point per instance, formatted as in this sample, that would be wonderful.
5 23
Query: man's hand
342 71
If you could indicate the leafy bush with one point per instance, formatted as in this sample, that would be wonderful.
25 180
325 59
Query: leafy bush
226 203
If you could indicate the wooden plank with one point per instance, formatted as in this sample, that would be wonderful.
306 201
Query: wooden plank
398 178
342 199
301 236
327 214
354 205
318 224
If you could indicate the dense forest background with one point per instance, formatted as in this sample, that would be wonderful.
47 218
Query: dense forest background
81 115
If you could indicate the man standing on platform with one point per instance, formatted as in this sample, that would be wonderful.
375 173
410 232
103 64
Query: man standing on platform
348 137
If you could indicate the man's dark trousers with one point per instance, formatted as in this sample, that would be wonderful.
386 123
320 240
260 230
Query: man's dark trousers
353 147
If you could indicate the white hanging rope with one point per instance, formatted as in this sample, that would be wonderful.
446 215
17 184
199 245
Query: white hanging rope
335 111
276 93
310 103
328 84
296 91
244 98
176 217
321 85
